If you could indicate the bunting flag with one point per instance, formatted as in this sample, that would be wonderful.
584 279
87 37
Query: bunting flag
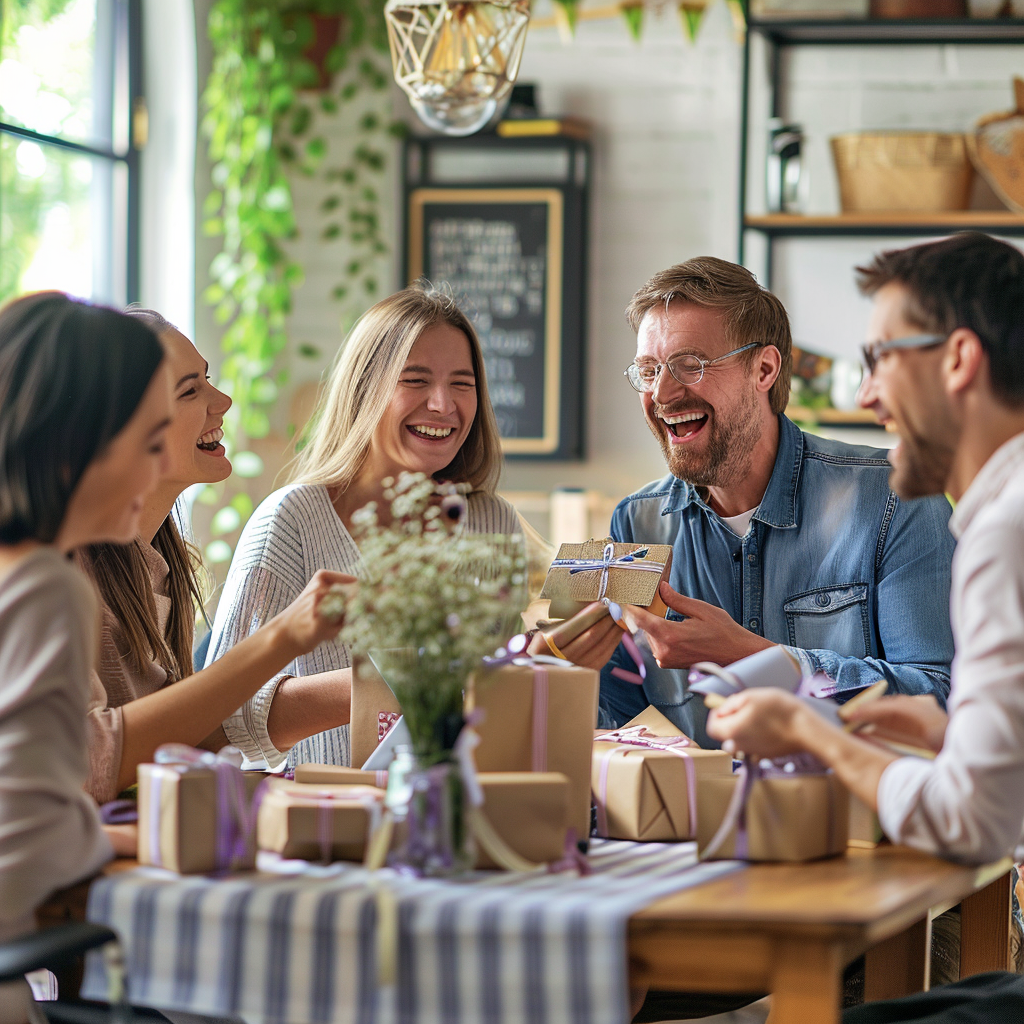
566 12
691 12
633 13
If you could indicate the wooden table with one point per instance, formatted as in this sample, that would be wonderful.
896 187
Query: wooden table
790 929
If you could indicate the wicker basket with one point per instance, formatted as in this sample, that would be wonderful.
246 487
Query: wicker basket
925 171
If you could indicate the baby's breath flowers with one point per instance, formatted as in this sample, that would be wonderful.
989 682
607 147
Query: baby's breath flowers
432 600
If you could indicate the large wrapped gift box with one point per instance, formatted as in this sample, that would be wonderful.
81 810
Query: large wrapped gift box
624 573
529 811
320 822
336 775
795 818
191 816
644 778
539 715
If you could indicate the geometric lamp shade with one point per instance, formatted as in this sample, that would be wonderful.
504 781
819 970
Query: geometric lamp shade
456 61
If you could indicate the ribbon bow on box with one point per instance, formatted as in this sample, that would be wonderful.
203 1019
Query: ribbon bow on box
594 570
235 811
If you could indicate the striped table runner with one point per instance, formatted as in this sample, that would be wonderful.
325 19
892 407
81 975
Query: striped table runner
297 944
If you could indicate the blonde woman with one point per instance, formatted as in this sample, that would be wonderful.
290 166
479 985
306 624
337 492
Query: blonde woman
406 393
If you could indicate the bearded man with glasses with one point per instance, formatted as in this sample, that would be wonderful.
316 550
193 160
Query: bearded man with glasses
779 536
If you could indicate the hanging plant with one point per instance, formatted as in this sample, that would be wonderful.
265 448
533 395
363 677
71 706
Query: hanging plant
567 11
271 63
692 14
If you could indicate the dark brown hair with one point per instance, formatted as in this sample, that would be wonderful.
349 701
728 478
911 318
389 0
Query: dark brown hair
970 280
71 376
752 314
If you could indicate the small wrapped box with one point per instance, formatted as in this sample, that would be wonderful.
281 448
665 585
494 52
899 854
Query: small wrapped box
645 777
794 818
539 715
197 818
336 775
624 573
318 823
529 811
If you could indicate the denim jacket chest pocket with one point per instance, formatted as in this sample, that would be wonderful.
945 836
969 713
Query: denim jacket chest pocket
831 618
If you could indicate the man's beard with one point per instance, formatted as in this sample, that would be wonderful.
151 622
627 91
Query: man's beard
923 467
726 453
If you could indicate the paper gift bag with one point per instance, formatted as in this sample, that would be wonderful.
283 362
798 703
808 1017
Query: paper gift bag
374 710
529 811
539 715
320 823
802 817
624 573
336 775
197 819
644 778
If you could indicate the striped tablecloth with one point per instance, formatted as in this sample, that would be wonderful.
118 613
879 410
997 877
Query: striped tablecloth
297 944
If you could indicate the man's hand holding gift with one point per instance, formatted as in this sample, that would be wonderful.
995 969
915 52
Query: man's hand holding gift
708 633
592 647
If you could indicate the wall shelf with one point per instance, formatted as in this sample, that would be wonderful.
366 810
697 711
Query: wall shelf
882 31
788 225
832 417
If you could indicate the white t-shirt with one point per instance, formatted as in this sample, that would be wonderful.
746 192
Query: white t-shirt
741 523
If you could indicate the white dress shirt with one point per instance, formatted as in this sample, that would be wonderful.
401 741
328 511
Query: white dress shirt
968 804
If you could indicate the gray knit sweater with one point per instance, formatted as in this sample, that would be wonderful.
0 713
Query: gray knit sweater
292 534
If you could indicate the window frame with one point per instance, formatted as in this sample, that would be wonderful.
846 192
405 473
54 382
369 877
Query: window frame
127 101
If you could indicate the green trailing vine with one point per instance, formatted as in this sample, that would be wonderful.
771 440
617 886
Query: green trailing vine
263 102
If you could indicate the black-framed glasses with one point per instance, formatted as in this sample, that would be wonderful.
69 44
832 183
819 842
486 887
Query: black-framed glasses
685 367
874 349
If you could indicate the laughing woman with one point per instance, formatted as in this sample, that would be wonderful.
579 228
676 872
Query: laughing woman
83 409
149 593
407 393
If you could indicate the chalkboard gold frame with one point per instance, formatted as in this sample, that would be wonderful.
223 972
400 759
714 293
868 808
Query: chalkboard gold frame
546 441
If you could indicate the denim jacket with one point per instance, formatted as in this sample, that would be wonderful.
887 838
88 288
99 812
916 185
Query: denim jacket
852 580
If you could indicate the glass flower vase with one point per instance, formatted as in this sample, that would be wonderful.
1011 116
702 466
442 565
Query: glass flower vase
432 811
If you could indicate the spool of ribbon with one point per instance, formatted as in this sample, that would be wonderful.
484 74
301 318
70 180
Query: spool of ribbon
639 736
633 560
236 814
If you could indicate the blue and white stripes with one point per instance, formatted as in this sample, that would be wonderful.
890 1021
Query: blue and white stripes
301 948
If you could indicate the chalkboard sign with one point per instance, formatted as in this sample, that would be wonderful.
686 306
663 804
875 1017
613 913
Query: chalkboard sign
503 224
500 251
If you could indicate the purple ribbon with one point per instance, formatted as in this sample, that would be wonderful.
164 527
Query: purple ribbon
236 815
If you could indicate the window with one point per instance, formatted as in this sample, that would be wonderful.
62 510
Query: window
71 117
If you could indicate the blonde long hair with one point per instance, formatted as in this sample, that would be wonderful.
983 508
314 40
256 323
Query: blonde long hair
364 378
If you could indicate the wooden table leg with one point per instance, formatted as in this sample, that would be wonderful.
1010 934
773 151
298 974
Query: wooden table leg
807 981
985 929
899 965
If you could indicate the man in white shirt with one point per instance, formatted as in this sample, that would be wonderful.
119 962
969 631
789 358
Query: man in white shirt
945 362
945 356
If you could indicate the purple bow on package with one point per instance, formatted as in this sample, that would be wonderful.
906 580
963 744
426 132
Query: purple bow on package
197 811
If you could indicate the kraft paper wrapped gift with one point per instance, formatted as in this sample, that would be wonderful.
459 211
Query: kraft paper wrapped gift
624 573
186 825
336 775
529 811
314 822
539 715
644 778
795 818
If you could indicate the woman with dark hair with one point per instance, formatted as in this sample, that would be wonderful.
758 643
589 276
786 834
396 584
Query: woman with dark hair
84 404
150 590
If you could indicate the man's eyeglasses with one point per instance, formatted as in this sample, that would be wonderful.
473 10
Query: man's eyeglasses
874 349
685 367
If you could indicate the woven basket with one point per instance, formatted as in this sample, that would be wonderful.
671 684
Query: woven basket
899 171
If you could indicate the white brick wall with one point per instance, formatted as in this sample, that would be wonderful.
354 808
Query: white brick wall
665 116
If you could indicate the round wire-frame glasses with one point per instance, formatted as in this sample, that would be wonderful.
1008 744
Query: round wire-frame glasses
685 367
